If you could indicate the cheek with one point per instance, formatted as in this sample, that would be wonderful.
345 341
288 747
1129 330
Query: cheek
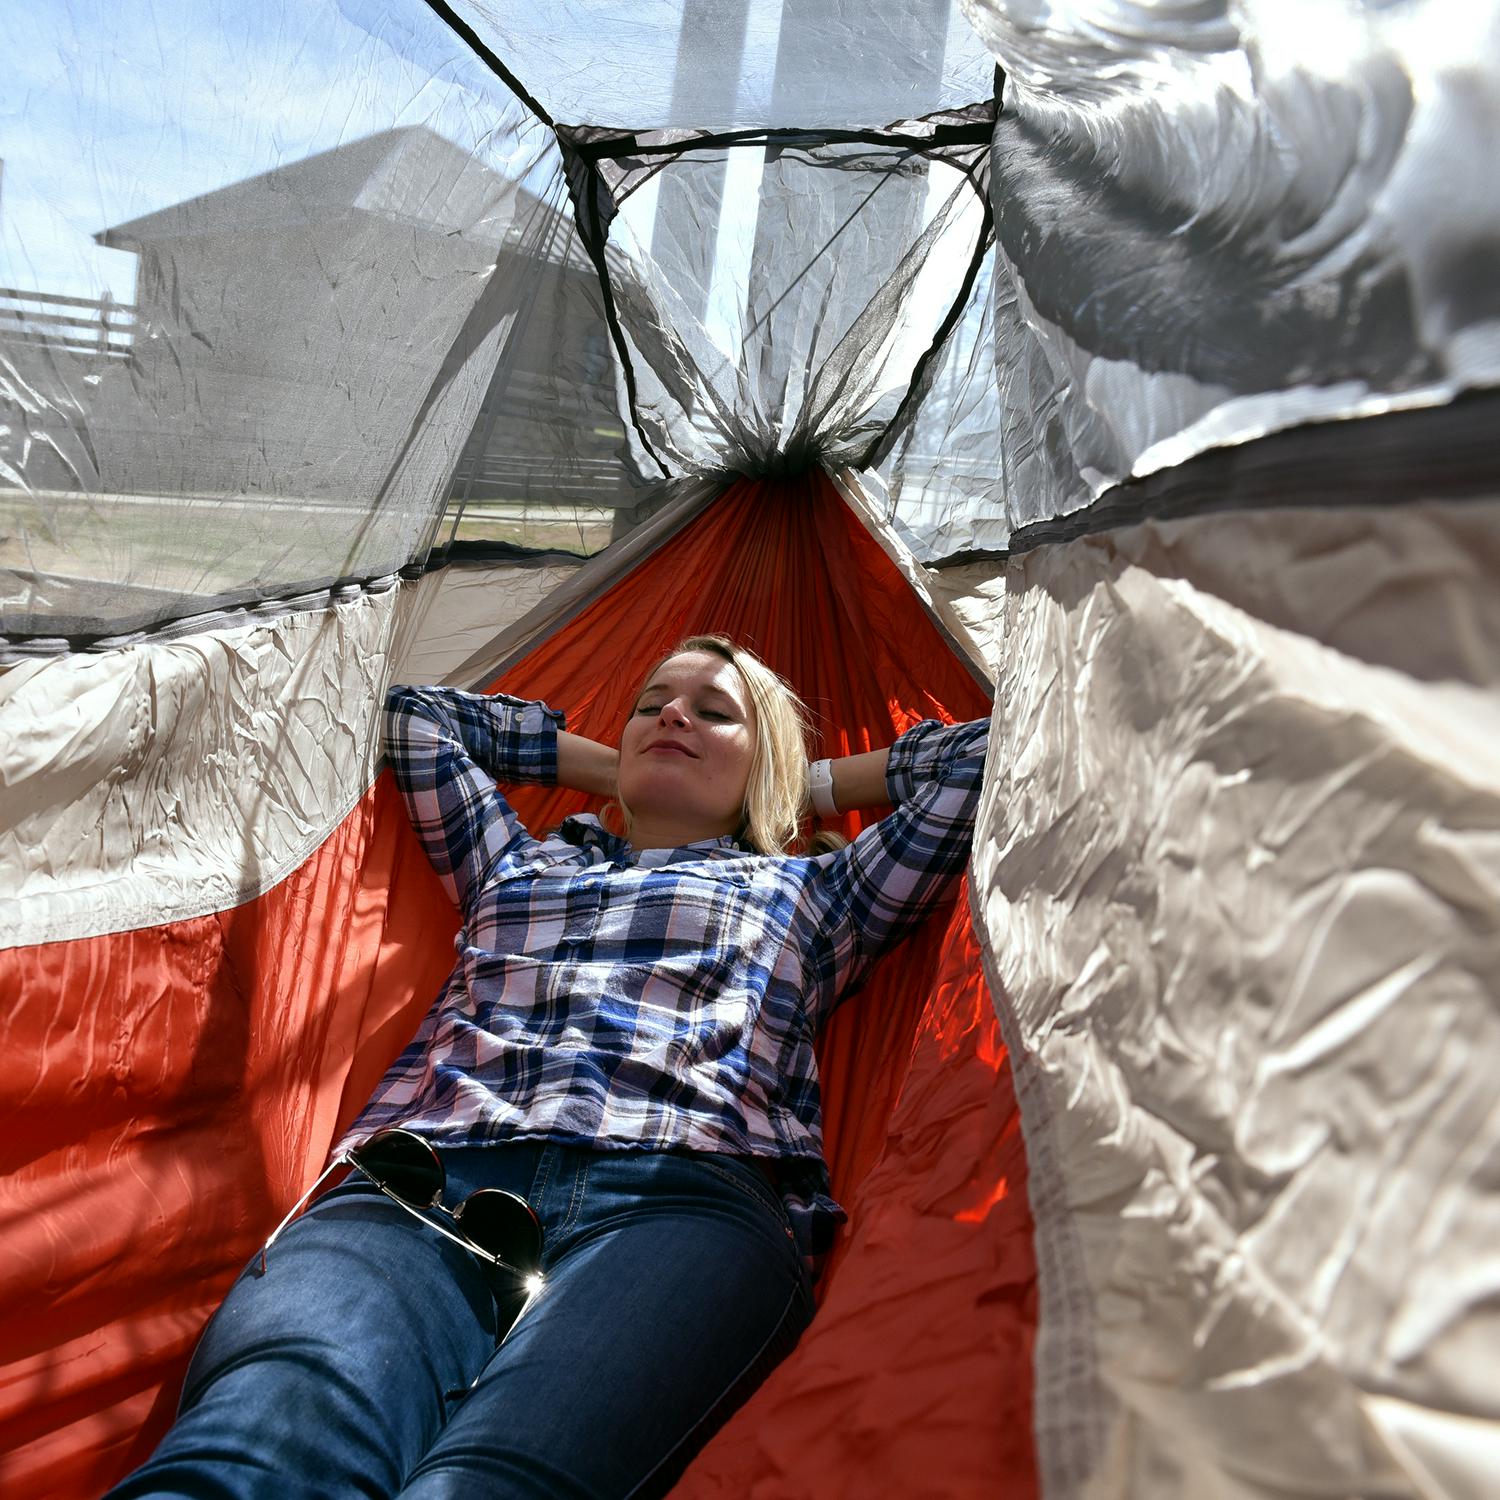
630 744
639 728
737 758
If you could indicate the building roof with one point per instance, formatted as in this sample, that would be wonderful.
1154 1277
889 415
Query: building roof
409 174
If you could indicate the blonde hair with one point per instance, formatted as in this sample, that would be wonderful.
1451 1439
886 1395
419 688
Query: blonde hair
776 797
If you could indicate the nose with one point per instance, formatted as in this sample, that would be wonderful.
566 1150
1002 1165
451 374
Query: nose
672 712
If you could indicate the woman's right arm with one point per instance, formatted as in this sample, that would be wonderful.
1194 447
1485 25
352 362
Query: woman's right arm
447 749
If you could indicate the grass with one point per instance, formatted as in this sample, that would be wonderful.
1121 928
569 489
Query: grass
205 544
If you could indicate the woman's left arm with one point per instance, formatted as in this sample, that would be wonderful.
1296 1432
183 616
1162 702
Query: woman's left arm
879 887
859 780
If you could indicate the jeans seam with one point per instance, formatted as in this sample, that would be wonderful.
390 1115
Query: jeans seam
729 1387
766 1201
541 1180
575 1202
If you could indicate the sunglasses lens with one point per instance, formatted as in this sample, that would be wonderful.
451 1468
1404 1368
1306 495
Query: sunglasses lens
403 1164
504 1225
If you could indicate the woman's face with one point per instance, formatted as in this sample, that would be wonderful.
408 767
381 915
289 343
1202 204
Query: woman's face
686 750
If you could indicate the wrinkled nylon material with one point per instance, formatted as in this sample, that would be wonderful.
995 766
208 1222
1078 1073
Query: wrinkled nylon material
1239 874
167 781
1221 220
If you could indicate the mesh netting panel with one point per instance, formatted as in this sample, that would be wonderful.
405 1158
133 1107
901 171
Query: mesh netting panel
777 301
702 64
257 277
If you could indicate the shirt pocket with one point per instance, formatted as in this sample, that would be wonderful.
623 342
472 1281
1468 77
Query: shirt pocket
535 861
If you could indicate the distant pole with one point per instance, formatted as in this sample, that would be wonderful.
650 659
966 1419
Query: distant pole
823 276
710 47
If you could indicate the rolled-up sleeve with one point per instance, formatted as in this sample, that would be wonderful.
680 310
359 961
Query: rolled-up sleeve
447 749
882 885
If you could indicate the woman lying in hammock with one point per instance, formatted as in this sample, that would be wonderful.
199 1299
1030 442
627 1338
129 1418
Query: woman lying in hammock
626 1044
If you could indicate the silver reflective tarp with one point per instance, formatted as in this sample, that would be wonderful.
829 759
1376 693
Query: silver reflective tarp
1239 874
1214 221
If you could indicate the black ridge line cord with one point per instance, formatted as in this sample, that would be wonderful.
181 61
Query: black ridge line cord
451 18
592 232
881 446
627 143
886 440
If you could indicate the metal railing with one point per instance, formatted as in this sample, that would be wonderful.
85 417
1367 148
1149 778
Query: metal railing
81 325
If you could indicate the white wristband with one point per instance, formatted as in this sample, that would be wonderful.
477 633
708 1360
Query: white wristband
820 788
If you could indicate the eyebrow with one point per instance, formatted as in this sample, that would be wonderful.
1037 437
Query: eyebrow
664 687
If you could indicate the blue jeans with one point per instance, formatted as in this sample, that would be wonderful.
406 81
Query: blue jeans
365 1361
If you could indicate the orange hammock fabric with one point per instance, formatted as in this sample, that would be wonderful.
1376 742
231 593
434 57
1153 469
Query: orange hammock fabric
171 1090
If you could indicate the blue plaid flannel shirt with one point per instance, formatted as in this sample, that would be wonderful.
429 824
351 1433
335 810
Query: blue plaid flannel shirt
621 999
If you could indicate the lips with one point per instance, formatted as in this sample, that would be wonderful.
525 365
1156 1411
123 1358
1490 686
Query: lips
671 747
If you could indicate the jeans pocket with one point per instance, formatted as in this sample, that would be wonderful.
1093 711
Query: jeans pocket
748 1179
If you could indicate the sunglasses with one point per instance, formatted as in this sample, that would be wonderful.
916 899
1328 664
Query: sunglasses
497 1227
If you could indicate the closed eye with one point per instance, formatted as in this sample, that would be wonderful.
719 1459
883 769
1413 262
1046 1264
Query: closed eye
650 709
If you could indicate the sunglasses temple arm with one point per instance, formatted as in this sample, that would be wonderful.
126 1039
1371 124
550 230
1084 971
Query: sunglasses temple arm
532 1294
297 1207
448 1234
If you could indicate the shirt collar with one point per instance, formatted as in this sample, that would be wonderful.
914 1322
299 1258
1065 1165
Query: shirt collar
586 832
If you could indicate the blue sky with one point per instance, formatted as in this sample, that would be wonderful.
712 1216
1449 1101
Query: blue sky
114 108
